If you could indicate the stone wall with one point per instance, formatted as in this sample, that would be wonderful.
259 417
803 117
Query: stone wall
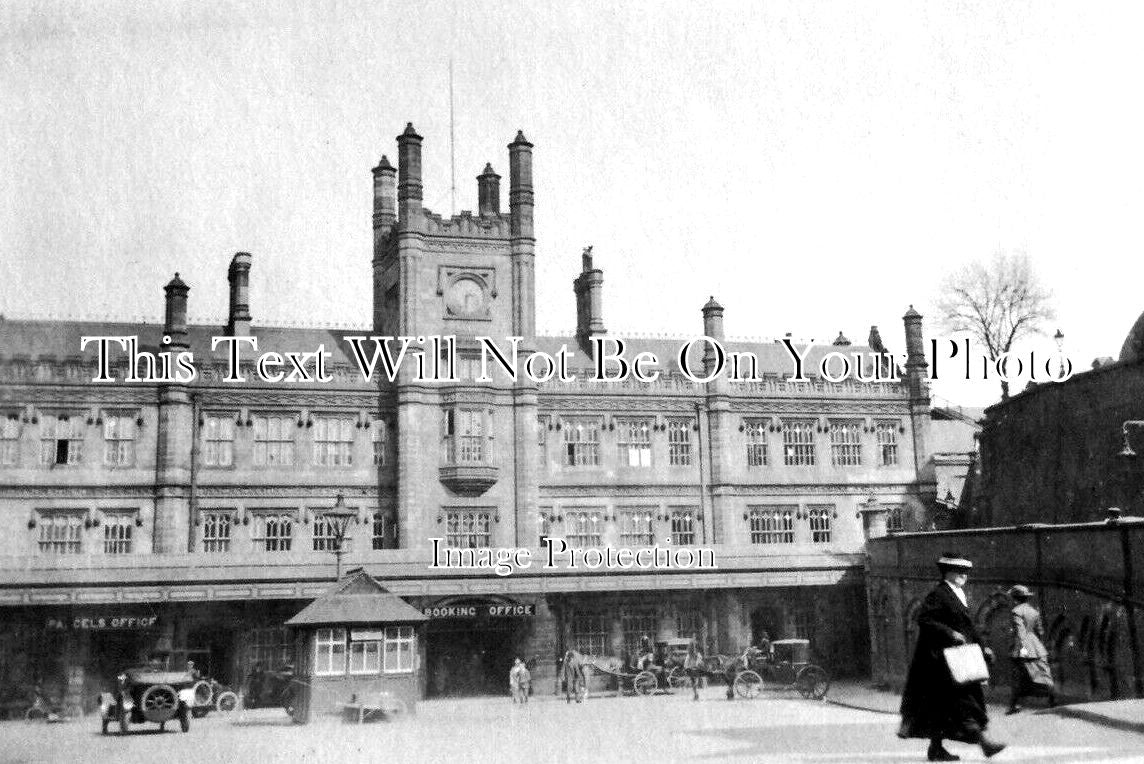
1089 587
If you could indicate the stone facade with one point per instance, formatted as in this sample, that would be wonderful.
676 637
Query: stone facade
191 515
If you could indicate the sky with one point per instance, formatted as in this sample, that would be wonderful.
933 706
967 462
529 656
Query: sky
817 167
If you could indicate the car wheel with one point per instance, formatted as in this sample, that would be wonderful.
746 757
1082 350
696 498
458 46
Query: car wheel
226 702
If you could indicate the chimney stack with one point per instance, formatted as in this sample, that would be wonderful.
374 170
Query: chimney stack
408 176
384 201
713 328
589 289
488 192
916 364
175 322
238 321
520 200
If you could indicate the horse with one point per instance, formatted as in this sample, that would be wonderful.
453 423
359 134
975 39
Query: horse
574 673
730 667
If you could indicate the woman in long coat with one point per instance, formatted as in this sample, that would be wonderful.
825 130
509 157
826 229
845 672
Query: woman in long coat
1031 672
933 705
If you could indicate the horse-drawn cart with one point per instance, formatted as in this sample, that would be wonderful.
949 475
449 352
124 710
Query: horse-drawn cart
577 670
785 665
788 665
633 681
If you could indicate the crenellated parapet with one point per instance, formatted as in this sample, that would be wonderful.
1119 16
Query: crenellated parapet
466 224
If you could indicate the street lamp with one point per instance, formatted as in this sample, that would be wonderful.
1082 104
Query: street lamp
339 519
1060 338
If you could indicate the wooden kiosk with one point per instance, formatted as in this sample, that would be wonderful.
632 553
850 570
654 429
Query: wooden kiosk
359 653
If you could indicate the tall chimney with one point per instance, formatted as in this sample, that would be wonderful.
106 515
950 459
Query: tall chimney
918 385
916 364
589 289
713 328
175 322
488 191
520 201
384 202
408 175
238 322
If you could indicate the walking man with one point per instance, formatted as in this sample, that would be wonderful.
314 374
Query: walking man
519 679
933 705
693 666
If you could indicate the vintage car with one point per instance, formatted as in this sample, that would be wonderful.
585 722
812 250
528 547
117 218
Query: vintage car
210 694
148 694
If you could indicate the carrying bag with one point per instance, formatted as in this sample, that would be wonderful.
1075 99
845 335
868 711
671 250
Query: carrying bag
966 663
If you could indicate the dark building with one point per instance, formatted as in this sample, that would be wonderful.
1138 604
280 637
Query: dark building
1056 453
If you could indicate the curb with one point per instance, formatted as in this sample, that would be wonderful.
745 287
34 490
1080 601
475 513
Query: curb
857 706
1105 721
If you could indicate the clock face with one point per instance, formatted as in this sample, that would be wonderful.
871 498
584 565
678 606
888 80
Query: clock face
465 298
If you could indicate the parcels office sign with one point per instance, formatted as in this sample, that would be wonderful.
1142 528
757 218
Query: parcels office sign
104 623
483 610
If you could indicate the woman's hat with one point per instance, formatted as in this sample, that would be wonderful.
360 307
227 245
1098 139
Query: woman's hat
1020 592
953 561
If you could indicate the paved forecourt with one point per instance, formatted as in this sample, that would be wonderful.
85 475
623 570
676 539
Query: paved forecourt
665 728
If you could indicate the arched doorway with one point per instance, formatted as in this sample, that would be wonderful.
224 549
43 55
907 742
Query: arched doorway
470 644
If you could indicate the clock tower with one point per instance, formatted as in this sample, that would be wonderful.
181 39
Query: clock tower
466 466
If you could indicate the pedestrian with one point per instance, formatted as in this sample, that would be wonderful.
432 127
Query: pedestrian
519 679
1031 673
693 666
933 705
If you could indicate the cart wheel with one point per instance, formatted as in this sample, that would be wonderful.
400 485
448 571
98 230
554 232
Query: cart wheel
748 684
645 683
226 701
677 678
813 682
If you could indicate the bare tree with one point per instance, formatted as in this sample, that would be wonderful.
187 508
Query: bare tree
999 302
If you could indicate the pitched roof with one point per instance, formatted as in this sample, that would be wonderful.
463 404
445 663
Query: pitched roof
357 600
60 340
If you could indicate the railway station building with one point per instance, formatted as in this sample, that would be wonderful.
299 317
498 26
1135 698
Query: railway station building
148 516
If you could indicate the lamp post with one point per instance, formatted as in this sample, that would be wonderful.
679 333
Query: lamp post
339 519
1060 339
